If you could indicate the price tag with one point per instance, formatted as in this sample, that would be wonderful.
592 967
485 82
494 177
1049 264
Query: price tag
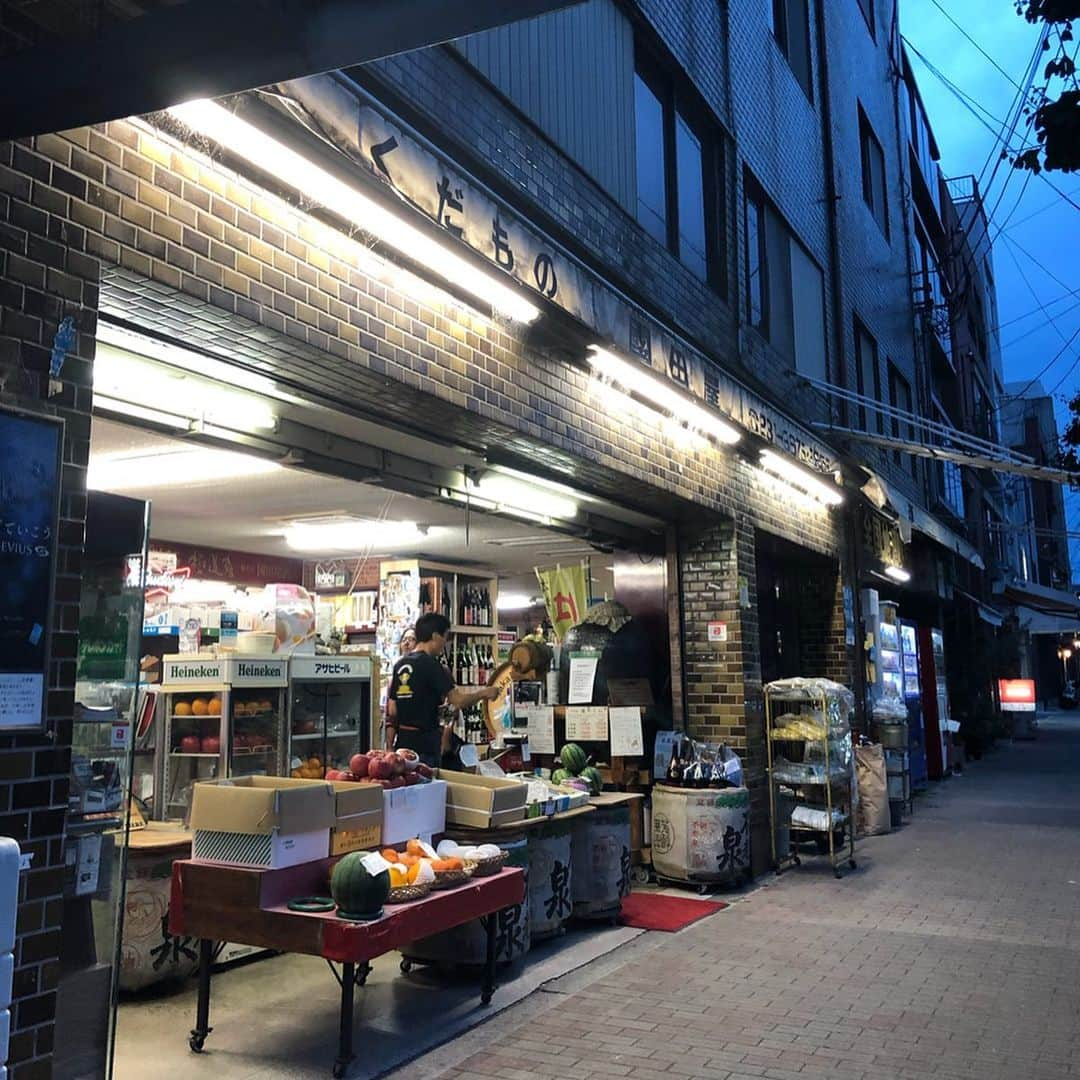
119 736
374 863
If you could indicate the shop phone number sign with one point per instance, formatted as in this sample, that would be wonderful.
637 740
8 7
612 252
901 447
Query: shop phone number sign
30 463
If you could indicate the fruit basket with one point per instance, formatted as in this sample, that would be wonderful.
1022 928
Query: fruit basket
490 865
406 894
449 878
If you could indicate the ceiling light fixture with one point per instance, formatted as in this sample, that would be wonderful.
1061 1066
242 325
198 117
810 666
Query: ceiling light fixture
632 378
508 495
145 472
122 376
353 534
802 479
125 410
316 184
898 573
515 601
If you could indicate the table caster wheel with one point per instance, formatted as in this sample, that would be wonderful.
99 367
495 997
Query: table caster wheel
485 997
197 1042
639 875
406 967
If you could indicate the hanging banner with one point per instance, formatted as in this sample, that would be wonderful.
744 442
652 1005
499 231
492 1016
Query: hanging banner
566 596
31 452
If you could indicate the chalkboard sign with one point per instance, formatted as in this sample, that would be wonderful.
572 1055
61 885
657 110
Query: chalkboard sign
31 461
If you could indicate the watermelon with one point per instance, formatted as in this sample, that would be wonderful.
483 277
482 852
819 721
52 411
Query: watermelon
595 781
573 758
358 894
560 776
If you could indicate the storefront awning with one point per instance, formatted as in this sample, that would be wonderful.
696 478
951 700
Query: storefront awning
1039 622
912 516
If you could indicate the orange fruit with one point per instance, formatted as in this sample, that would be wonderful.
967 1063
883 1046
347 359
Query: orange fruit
198 706
181 708
213 707
390 855
414 872
413 847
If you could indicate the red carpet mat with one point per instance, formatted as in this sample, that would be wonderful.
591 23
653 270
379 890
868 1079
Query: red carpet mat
654 911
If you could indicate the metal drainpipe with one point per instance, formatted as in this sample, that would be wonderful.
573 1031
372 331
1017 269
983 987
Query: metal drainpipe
832 198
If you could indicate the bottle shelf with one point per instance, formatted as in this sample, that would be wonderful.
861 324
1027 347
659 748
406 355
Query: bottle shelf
479 631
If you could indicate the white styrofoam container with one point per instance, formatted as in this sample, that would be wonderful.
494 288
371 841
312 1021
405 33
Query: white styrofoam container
265 851
419 810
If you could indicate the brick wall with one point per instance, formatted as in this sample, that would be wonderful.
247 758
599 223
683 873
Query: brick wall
45 276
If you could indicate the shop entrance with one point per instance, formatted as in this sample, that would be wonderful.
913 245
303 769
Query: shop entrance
796 592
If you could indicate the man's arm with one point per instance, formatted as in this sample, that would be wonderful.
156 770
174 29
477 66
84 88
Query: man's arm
465 699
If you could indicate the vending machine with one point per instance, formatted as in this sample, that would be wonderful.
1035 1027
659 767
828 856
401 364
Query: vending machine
909 663
333 710
937 720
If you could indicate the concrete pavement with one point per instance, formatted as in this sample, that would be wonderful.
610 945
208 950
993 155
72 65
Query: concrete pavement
951 953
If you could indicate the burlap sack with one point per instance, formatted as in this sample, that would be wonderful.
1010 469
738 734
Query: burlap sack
873 811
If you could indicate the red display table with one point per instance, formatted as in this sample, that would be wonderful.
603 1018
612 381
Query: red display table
217 903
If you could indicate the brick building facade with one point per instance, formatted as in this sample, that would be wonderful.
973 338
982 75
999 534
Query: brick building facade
139 223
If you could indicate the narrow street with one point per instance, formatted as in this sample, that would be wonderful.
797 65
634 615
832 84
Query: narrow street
951 952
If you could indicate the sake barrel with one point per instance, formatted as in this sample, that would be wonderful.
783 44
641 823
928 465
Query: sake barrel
466 945
550 879
600 843
701 835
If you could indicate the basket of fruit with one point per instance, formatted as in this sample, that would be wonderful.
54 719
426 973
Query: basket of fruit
486 859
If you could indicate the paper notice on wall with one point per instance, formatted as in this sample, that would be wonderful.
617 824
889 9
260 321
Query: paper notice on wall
20 699
582 678
626 736
586 724
541 723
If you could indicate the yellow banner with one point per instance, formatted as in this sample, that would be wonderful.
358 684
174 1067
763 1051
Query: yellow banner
566 595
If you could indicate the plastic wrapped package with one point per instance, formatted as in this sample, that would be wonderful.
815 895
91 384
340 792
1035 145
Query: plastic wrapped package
289 611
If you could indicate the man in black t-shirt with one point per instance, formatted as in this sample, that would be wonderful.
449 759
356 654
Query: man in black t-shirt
420 684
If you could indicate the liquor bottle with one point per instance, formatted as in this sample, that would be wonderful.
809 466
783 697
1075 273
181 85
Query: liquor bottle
485 608
674 773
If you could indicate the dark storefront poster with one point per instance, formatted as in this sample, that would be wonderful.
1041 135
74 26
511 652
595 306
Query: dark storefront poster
31 456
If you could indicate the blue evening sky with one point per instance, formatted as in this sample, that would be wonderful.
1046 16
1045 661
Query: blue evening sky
1035 252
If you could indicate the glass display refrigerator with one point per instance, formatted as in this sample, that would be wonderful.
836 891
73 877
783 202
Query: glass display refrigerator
96 836
332 714
909 662
219 717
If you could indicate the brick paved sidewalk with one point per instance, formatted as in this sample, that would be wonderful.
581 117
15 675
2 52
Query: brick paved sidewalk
952 952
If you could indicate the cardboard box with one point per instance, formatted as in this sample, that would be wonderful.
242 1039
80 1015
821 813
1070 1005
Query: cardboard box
419 810
359 810
268 822
263 805
483 802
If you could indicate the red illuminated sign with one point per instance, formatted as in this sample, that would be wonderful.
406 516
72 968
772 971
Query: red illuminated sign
1017 695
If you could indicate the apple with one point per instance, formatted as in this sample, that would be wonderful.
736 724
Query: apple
333 774
397 782
344 774
397 765
380 769
190 744
425 770
413 778
211 744
359 764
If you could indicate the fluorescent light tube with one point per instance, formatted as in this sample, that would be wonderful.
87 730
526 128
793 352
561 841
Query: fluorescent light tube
145 472
514 601
800 478
128 411
354 534
522 499
633 378
898 573
316 184
123 376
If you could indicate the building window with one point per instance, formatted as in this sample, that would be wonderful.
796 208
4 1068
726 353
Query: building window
875 188
791 28
651 160
952 488
679 173
757 278
900 398
868 374
867 8
785 286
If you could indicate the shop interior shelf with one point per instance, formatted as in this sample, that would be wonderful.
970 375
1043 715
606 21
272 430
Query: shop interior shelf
241 751
485 631
184 753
